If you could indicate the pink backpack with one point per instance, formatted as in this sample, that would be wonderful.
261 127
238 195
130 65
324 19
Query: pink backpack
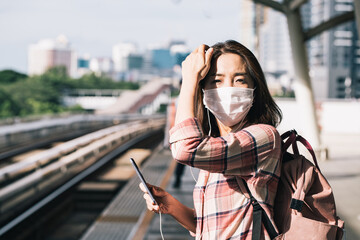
304 205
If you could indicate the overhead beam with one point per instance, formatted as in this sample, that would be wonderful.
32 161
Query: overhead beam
270 3
329 24
303 89
296 4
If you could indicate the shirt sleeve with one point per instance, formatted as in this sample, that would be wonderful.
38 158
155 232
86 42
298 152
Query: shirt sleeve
244 153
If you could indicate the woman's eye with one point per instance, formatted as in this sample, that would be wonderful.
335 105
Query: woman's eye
240 80
217 81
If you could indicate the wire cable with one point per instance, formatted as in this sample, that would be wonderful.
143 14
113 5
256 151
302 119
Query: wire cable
209 122
192 174
162 236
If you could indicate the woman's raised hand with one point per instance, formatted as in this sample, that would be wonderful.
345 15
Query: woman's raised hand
162 198
196 65
194 69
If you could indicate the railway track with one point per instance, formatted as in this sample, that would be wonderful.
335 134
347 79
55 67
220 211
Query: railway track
60 205
45 142
19 138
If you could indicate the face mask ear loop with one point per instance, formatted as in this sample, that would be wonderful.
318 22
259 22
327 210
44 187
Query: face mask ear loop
209 122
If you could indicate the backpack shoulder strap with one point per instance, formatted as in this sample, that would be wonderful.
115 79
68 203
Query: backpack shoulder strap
260 216
292 138
309 148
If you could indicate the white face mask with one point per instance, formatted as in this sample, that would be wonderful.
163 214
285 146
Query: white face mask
230 105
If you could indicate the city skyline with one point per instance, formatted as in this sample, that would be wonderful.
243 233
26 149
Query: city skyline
93 27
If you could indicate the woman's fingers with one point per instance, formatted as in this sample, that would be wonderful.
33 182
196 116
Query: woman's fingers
208 55
156 191
207 62
141 185
151 206
202 48
163 199
149 202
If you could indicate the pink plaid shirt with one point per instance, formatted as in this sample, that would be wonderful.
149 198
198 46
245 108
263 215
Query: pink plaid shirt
253 153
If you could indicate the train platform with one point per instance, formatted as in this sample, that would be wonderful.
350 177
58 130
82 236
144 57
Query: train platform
342 170
170 227
127 217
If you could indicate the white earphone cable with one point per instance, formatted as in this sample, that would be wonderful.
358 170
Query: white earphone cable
209 122
161 233
192 174
162 236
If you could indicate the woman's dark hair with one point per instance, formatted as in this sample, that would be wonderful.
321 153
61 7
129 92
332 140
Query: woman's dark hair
264 109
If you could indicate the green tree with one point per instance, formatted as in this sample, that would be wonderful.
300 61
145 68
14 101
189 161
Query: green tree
43 93
9 76
57 77
8 107
92 81
38 94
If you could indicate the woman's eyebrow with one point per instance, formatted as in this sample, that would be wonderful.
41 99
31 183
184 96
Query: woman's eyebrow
240 74
221 74
216 74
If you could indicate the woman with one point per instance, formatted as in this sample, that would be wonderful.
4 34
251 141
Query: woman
225 126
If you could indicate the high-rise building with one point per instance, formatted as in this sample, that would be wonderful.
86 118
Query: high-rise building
252 16
158 60
83 65
128 62
120 54
247 33
264 31
102 66
162 59
135 62
274 51
48 53
334 55
179 51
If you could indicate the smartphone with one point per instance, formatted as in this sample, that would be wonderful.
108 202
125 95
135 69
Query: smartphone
142 179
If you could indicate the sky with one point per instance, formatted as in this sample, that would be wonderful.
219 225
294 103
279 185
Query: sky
94 26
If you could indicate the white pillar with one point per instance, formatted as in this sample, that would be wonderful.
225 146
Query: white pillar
303 90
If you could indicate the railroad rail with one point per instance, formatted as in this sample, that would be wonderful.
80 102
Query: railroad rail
62 167
18 138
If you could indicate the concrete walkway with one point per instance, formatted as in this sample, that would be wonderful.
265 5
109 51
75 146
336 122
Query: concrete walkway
342 170
171 229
